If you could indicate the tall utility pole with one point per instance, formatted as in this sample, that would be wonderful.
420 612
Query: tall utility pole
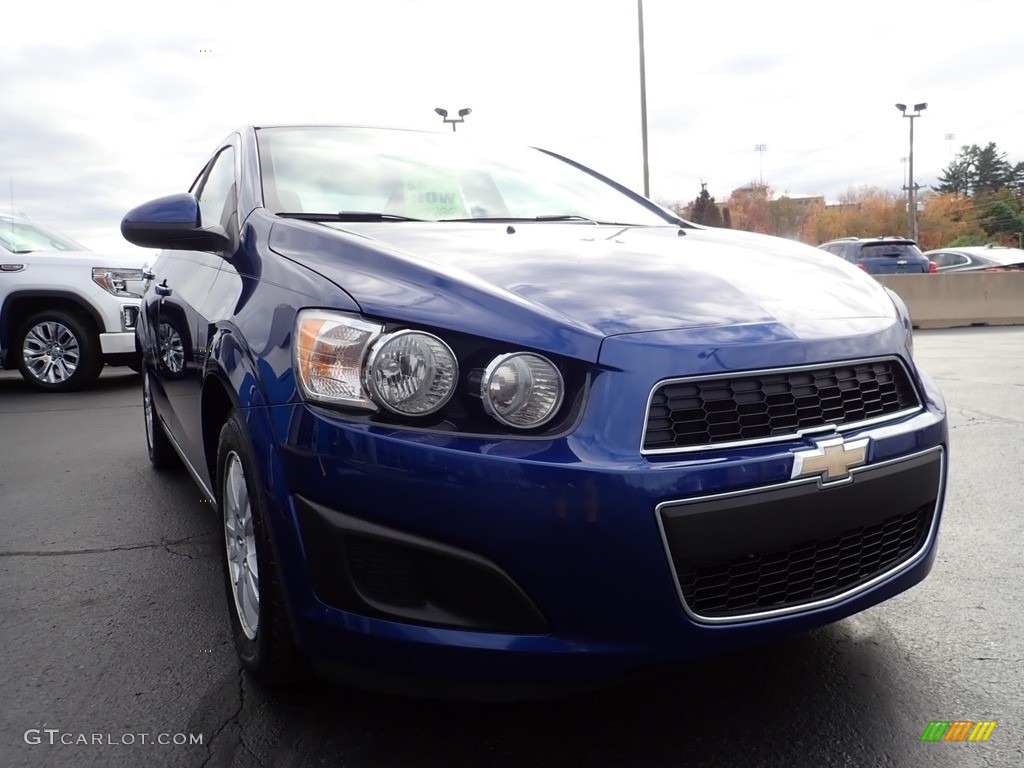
760 149
911 187
643 97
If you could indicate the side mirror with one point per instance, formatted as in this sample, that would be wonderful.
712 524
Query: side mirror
172 222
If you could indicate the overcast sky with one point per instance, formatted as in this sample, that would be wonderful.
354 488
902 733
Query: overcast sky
106 104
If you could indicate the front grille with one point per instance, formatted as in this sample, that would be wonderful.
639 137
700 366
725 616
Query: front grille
693 413
813 570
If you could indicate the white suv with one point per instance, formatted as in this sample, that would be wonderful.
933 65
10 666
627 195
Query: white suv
64 311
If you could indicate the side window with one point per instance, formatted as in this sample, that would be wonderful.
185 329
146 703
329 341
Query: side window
217 193
946 259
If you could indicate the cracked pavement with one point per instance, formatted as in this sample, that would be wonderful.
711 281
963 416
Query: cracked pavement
113 621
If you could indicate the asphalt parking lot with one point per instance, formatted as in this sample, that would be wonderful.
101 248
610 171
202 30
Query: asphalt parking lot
115 635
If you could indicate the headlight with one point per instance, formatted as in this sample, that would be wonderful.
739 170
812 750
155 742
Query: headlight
411 373
329 352
522 390
115 281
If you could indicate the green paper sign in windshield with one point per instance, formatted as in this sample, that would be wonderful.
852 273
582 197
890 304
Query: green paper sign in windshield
434 196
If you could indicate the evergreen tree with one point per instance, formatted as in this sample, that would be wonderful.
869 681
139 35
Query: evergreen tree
1002 217
977 171
704 211
1017 180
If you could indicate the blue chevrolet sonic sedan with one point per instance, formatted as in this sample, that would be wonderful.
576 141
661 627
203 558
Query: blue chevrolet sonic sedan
477 420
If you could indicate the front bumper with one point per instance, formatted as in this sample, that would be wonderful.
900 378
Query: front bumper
538 562
121 342
117 343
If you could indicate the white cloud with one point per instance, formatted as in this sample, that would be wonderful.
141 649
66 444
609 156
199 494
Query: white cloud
109 104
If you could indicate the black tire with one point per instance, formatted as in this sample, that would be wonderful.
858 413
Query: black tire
57 351
262 634
158 445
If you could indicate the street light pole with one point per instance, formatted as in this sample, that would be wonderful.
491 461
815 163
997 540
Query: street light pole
643 97
911 186
453 120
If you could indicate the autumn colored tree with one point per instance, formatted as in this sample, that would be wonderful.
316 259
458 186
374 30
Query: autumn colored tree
749 208
785 216
980 199
793 218
863 212
947 220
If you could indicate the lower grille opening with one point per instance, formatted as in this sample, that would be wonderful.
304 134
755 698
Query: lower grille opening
813 570
366 568
385 573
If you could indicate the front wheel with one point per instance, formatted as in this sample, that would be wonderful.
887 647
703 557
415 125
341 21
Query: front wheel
57 351
259 622
158 444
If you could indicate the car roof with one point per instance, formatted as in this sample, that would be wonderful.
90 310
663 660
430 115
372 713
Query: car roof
1000 254
887 239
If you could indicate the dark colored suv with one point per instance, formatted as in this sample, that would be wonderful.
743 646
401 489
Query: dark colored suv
881 255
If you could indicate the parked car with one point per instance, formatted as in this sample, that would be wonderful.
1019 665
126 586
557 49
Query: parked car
478 416
980 258
881 255
64 311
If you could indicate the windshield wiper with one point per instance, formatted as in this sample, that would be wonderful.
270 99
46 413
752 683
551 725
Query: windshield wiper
509 219
370 216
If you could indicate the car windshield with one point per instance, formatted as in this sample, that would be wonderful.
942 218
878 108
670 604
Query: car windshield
892 250
391 175
21 236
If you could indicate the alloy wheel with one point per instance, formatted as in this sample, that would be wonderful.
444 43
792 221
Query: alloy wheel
51 352
240 541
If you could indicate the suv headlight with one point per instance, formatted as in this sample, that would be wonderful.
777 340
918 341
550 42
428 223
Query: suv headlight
115 281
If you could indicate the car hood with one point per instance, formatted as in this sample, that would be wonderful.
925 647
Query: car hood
604 280
79 258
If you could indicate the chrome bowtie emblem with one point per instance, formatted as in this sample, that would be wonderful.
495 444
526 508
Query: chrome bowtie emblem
832 459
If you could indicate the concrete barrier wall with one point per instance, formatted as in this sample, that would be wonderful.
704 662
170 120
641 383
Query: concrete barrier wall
951 300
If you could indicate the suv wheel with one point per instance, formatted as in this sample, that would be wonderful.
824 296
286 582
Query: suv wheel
259 623
57 351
